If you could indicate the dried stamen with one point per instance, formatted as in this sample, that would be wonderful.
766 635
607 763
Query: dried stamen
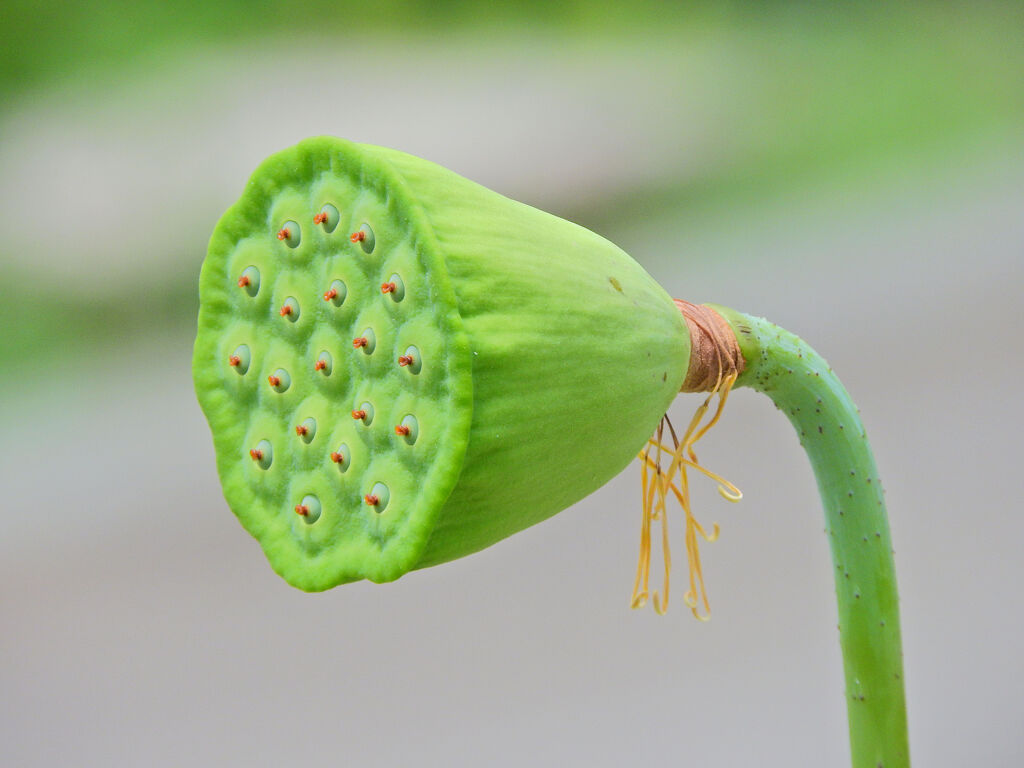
329 294
402 430
656 483
337 458
320 365
388 288
234 361
275 381
243 281
359 414
360 342
301 509
320 218
256 454
357 237
283 234
372 499
404 360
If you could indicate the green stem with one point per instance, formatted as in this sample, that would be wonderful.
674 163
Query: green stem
802 386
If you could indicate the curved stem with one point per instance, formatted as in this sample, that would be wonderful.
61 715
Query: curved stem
802 386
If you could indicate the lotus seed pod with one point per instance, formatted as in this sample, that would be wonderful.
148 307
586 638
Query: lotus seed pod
472 365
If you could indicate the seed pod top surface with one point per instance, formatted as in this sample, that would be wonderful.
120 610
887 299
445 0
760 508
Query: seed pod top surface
316 357
401 367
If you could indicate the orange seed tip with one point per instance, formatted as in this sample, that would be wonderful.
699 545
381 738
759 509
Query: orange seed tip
234 361
301 430
274 380
320 365
329 294
243 281
388 288
359 342
301 509
358 237
359 414
284 233
320 218
402 430
337 458
372 499
404 360
256 454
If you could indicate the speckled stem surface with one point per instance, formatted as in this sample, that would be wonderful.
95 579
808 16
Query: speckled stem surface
801 384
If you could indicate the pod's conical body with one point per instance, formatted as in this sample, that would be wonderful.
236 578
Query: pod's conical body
501 363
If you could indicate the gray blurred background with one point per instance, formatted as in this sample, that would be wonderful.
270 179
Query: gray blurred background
855 175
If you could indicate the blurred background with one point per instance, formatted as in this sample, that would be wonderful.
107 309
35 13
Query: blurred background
855 173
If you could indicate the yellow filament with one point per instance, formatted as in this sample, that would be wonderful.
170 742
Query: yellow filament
657 483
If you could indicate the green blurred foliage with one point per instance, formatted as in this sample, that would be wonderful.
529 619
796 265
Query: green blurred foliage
814 91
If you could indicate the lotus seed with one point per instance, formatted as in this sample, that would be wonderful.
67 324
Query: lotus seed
250 280
336 293
290 234
240 359
364 236
411 360
324 363
342 457
367 342
409 429
262 454
308 509
280 380
378 497
394 287
307 430
364 413
328 217
290 309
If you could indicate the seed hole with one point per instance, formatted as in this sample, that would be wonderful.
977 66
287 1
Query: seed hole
308 509
290 309
411 360
290 234
342 457
324 363
327 218
240 359
262 454
364 413
364 236
307 430
378 497
409 429
279 380
394 287
336 293
366 342
249 280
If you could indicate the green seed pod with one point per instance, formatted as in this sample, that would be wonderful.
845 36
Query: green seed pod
482 363
400 367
